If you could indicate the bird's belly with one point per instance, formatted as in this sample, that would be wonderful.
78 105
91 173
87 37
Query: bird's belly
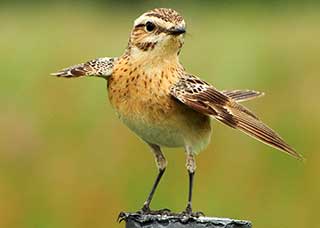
168 136
179 127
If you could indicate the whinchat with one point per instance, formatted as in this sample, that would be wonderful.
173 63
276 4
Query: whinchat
163 104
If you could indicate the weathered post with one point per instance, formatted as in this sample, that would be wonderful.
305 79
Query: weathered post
136 220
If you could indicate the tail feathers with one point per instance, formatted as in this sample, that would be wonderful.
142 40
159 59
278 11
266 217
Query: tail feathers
200 96
241 118
242 95
256 129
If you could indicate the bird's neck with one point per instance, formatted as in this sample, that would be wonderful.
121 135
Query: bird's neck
152 62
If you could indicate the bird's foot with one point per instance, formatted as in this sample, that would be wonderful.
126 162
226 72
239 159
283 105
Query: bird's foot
197 214
189 213
145 210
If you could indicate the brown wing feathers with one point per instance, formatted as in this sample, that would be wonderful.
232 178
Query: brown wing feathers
101 67
206 99
242 95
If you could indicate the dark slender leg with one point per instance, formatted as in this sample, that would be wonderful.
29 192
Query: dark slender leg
191 167
146 205
161 164
189 205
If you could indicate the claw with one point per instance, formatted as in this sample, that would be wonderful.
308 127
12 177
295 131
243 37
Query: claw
164 211
122 216
197 214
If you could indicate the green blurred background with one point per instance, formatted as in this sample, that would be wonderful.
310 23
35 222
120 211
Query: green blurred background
65 159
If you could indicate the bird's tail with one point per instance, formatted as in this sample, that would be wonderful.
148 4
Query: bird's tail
239 117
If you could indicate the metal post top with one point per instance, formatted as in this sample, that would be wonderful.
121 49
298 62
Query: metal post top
137 220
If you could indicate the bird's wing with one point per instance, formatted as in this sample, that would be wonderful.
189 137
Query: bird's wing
242 95
204 98
101 67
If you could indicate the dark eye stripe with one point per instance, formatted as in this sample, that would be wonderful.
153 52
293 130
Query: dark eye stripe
139 25
158 30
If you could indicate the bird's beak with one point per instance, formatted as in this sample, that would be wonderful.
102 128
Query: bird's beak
176 31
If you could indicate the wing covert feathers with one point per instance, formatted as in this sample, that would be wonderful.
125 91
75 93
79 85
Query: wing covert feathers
223 106
101 67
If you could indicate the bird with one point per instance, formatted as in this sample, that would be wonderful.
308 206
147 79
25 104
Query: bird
163 104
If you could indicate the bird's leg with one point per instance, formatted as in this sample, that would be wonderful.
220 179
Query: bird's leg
191 167
161 164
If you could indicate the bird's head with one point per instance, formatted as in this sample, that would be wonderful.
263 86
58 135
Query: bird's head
159 32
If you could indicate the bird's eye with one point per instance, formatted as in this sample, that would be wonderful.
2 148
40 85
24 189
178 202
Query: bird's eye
150 26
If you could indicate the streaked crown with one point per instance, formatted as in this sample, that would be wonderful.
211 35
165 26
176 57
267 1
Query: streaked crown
159 31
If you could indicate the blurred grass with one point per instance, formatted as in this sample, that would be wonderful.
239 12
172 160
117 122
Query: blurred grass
66 161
